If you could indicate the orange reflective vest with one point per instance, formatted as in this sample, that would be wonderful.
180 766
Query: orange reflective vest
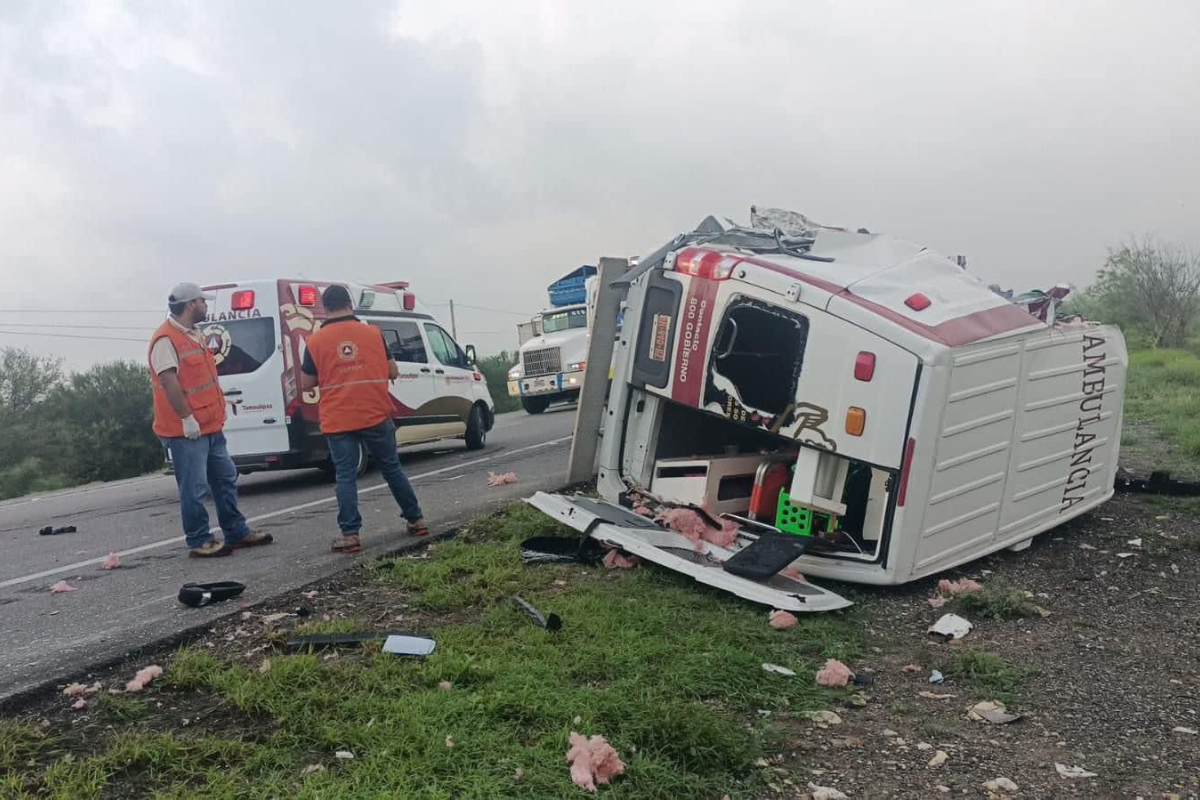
198 377
352 373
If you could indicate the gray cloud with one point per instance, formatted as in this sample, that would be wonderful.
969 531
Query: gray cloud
481 150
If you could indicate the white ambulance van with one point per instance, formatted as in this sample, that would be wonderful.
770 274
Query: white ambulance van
863 408
257 331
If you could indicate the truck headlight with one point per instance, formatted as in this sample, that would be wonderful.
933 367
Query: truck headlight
514 373
579 367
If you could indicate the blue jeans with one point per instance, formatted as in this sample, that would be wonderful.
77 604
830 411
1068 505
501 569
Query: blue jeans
381 444
202 466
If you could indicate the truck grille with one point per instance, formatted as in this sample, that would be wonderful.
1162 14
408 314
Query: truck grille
541 362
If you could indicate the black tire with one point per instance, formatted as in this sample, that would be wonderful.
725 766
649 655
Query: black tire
535 405
476 429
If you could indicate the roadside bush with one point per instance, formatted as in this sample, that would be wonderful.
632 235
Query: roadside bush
56 432
495 371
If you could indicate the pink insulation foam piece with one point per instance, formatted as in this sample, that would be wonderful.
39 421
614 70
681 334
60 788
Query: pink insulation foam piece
615 559
780 620
955 588
143 677
111 561
501 479
685 521
593 761
795 575
834 673
60 587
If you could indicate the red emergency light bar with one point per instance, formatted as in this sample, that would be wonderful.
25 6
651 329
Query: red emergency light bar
307 295
243 300
705 263
395 284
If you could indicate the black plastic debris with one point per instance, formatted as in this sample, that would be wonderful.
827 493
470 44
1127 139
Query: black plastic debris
202 594
1160 483
767 556
552 623
561 550
50 530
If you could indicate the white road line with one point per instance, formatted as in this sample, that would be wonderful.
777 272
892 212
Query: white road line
175 539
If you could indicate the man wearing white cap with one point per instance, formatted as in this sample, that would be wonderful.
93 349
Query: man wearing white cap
189 414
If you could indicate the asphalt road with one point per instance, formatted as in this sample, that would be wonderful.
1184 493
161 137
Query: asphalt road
45 636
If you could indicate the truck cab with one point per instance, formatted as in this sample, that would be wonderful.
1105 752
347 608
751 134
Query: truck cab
553 348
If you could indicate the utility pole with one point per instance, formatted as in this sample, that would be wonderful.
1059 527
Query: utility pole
453 324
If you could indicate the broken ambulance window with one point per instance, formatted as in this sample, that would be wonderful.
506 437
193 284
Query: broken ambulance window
756 361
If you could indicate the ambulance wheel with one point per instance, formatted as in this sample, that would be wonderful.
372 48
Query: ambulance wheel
535 405
476 429
360 469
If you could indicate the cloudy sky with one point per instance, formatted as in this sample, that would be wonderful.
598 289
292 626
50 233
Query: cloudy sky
481 149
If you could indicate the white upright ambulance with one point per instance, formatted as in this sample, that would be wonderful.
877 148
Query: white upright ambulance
862 407
257 331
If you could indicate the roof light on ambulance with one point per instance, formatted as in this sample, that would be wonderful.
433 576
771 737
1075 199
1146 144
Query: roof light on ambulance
917 302
410 301
705 263
307 295
243 300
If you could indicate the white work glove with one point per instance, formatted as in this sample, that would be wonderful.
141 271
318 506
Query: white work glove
191 428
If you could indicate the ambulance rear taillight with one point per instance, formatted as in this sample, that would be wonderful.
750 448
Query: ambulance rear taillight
703 263
307 295
242 300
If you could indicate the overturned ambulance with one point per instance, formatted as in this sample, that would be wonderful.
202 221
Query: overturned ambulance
844 405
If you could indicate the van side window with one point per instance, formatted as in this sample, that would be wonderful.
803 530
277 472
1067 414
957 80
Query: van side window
410 347
391 340
444 347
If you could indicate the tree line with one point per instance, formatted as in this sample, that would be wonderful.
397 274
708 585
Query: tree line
59 430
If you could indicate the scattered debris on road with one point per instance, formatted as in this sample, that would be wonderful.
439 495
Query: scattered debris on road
61 587
201 594
50 530
501 479
111 561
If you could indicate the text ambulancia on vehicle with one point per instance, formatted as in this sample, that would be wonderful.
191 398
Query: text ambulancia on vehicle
855 406
256 330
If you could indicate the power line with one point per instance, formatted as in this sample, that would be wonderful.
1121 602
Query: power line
72 336
85 327
496 310
162 311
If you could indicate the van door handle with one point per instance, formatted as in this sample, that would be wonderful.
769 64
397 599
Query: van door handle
440 371
233 393
424 369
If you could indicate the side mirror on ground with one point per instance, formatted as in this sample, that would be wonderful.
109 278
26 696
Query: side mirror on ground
470 354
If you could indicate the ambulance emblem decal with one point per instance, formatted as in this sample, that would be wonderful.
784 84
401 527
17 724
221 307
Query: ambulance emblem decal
218 342
348 351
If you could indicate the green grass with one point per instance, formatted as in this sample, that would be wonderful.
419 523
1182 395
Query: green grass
668 671
1164 390
997 600
988 674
